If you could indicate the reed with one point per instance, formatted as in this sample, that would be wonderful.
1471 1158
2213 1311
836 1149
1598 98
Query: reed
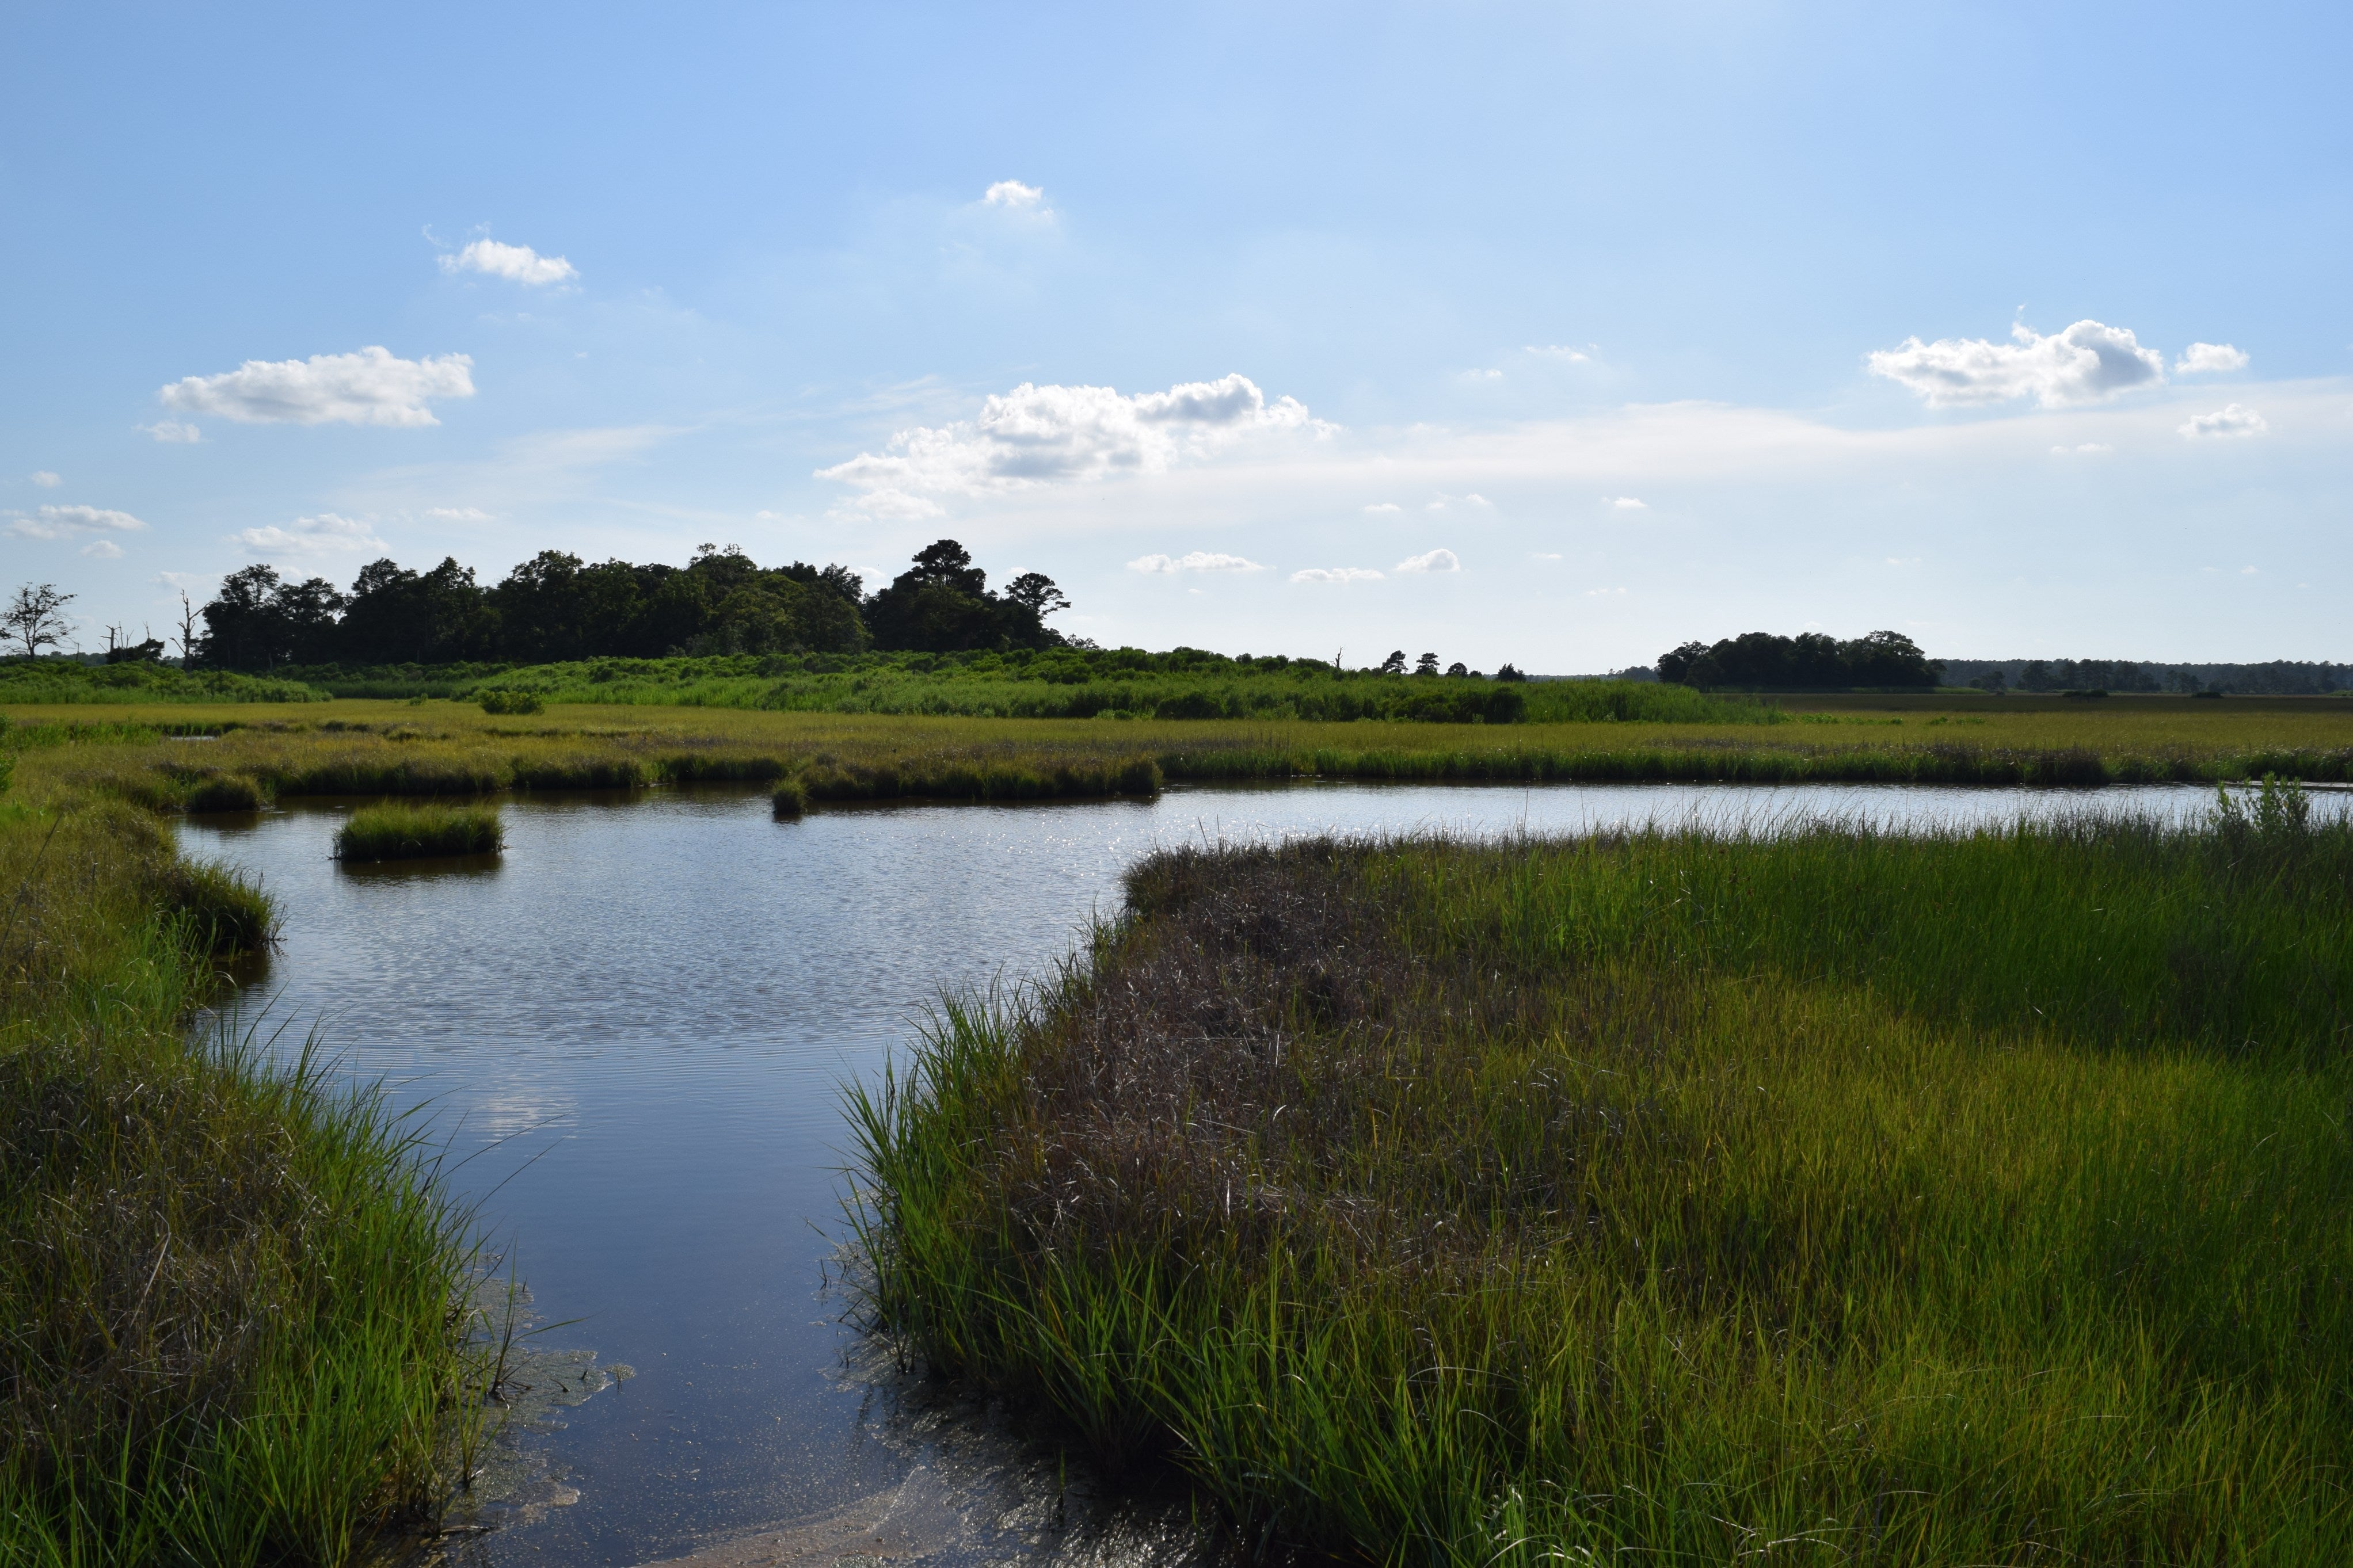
234 1300
399 831
1820 1193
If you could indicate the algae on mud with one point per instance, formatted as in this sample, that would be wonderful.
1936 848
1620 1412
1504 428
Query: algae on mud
1971 1196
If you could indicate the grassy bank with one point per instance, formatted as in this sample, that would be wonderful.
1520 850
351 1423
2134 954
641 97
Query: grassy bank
405 832
151 754
1975 1198
232 1320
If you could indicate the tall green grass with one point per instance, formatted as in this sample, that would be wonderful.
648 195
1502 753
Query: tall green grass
1823 1196
235 1300
403 831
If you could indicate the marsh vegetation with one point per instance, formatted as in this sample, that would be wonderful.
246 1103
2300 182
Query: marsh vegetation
400 830
1972 1196
236 1304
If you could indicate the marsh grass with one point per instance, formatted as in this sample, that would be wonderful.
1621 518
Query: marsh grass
236 1309
383 749
402 831
1822 1196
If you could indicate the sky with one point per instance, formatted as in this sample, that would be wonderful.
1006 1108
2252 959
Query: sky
1555 333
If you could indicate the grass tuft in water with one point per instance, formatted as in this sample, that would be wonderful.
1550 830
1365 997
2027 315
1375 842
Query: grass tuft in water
791 799
226 792
399 831
1833 1196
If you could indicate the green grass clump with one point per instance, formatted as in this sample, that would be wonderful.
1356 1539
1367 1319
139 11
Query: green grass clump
506 699
791 800
1974 1197
234 1300
225 792
399 831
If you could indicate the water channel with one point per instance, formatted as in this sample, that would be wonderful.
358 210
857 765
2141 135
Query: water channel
631 1032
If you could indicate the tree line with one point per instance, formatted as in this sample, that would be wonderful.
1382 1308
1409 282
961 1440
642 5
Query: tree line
556 606
1811 661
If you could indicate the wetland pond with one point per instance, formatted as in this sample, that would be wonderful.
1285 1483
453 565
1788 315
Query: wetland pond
630 1033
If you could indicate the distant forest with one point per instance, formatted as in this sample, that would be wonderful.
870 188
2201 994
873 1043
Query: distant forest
1760 661
556 607
2280 677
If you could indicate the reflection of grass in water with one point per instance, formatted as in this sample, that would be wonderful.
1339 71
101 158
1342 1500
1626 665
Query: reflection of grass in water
399 831
1931 1200
231 1321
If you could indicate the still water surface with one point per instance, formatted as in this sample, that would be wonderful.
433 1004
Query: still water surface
637 1024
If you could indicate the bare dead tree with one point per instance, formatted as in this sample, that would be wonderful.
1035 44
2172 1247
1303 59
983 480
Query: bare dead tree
187 629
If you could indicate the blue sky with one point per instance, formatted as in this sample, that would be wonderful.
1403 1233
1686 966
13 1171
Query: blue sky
1553 333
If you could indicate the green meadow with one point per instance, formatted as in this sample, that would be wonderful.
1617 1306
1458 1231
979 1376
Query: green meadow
1835 1198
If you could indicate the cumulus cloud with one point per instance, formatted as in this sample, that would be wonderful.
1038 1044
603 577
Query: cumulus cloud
1628 503
1557 351
2237 419
1036 436
1431 561
515 263
47 480
2085 364
1336 574
458 513
1016 195
172 430
1196 561
2084 450
325 534
370 387
1605 593
2198 358
1381 506
71 522
104 549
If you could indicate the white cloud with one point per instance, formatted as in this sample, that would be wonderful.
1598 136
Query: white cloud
174 431
71 522
2237 419
1628 503
1605 593
1015 194
515 263
1546 555
1474 499
1431 561
1196 561
458 513
370 387
2246 570
104 549
2084 450
201 581
1036 436
1380 506
1483 376
2200 358
1558 351
2085 364
1336 574
325 534
47 480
